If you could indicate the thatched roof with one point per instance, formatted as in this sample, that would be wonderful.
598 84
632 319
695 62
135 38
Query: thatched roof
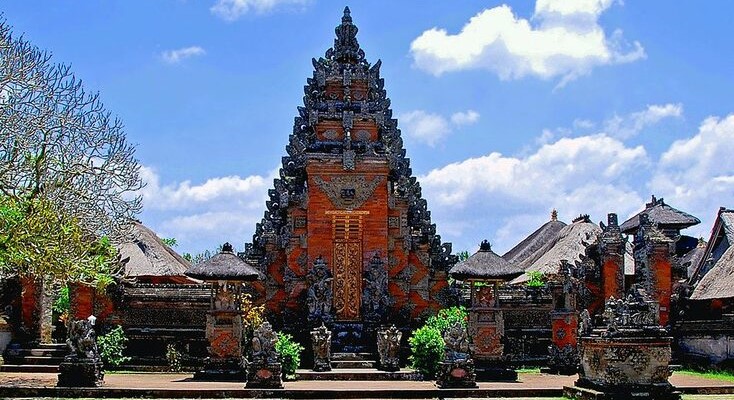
536 240
224 266
485 264
149 256
690 260
569 244
663 215
718 281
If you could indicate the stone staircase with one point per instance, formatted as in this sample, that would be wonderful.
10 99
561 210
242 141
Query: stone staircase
33 357
353 361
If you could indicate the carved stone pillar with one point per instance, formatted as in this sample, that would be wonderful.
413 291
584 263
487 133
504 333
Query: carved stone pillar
30 307
457 368
654 253
563 353
612 259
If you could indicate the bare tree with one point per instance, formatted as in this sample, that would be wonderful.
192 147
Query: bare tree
59 143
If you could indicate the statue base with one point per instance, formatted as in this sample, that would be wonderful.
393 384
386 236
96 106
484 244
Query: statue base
228 370
81 373
456 374
392 366
264 376
587 390
321 365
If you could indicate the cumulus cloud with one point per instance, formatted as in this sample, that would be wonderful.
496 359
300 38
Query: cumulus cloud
232 10
562 39
206 214
587 174
176 56
697 174
431 128
630 125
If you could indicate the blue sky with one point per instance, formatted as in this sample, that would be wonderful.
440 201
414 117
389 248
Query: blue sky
508 109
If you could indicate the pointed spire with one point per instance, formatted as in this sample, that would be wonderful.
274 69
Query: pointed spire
346 47
554 215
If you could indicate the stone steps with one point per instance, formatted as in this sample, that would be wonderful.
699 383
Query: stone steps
29 368
353 361
34 358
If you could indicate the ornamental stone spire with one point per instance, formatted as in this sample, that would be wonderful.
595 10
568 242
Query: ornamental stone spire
346 48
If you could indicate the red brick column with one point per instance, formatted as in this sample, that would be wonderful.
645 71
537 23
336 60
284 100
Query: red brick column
612 259
81 299
30 306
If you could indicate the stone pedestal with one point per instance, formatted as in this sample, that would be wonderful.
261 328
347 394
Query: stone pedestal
74 372
264 376
563 357
487 327
624 368
217 369
225 361
388 347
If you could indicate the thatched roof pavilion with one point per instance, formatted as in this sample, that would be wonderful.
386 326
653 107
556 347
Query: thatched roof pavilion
569 244
485 265
715 272
663 215
530 245
148 259
225 266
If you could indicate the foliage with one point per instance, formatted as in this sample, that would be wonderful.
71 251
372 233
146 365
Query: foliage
170 242
447 317
173 355
463 255
252 315
39 239
536 279
112 345
427 350
62 304
290 354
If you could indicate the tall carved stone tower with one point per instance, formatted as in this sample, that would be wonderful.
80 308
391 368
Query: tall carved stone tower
347 238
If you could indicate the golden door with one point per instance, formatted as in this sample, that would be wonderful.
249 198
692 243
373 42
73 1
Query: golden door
347 270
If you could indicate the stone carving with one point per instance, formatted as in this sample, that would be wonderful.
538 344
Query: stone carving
563 360
363 189
457 368
636 312
374 295
264 369
83 366
319 296
321 344
388 347
347 282
584 323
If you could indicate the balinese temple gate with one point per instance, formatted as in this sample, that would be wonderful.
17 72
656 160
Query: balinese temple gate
347 238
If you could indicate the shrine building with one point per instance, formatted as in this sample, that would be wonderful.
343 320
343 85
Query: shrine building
347 238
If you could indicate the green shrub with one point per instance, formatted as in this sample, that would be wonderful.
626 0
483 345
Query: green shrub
174 358
537 279
448 317
111 347
426 347
290 354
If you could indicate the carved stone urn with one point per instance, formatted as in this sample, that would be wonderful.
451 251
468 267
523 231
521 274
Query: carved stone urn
83 366
457 368
264 369
321 344
388 347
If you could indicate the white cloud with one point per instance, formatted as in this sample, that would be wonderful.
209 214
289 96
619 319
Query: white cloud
565 40
630 125
697 174
231 10
467 117
587 174
176 56
431 128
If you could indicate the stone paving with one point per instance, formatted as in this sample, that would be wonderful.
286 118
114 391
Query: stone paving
183 382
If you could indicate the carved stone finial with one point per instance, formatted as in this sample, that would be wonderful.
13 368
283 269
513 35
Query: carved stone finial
485 246
227 248
554 215
346 47
701 242
612 220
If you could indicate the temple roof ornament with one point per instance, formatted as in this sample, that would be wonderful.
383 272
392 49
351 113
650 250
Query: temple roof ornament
346 48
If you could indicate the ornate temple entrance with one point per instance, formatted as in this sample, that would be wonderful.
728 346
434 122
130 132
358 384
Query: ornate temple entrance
347 238
347 270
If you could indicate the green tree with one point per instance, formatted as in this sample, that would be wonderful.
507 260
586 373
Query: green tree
68 177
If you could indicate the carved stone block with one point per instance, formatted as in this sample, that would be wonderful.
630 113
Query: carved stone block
388 347
321 343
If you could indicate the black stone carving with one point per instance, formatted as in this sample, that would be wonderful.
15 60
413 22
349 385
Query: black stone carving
321 343
264 369
457 368
319 296
388 347
83 366
374 295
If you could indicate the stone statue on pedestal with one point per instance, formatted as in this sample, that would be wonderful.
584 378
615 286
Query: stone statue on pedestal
388 347
319 295
83 366
457 368
321 343
264 369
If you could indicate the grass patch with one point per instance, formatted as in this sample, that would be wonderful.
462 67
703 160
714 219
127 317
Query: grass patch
720 375
528 371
